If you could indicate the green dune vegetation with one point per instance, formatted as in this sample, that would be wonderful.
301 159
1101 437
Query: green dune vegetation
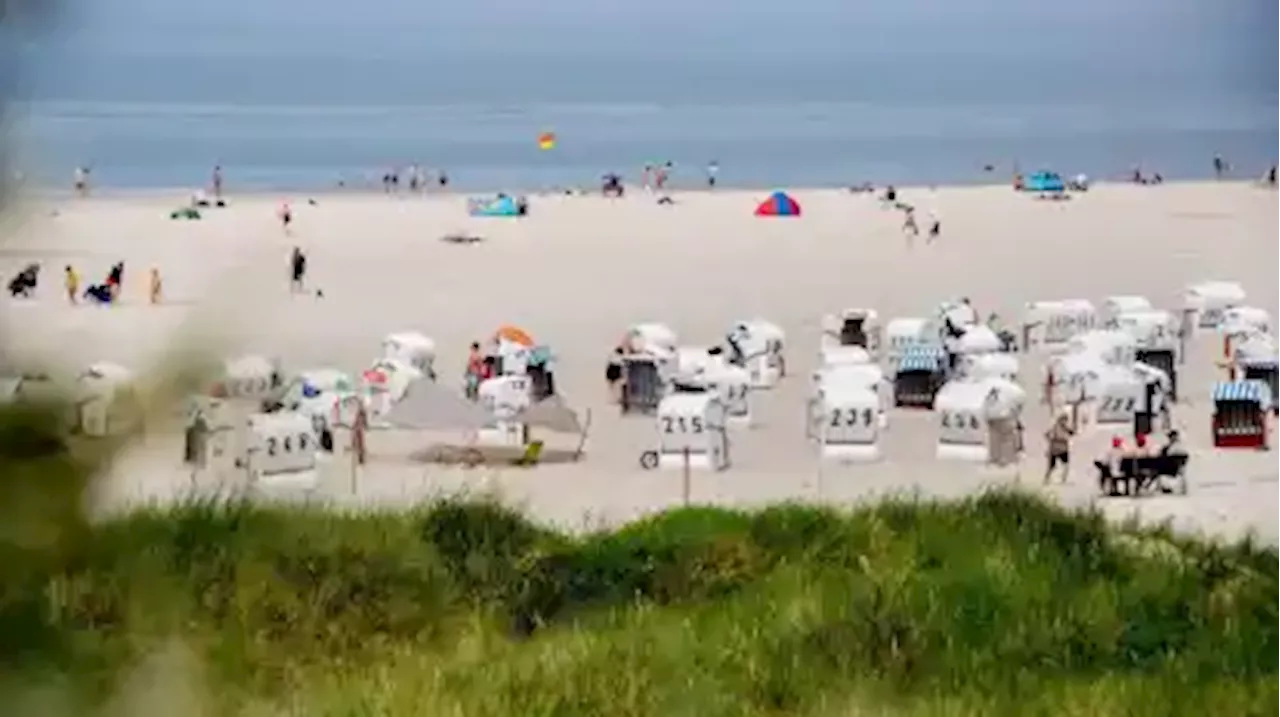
1000 604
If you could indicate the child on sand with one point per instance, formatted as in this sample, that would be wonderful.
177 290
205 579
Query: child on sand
156 286
72 282
474 372
286 216
80 180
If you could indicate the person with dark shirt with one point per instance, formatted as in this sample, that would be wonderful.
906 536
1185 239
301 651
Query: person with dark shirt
613 374
115 279
297 270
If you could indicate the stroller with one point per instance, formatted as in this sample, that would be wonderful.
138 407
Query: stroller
24 283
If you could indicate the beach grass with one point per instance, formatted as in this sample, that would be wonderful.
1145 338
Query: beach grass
997 604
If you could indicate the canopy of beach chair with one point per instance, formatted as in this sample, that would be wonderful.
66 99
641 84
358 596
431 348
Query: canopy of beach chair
515 335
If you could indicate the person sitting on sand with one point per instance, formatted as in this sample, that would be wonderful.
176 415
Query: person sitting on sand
611 186
24 283
1173 445
100 293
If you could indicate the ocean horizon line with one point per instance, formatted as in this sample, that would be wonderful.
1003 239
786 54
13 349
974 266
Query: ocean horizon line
110 193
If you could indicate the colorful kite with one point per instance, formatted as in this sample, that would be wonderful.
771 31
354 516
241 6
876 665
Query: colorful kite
547 140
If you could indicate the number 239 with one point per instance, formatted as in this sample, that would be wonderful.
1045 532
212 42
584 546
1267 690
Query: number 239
849 417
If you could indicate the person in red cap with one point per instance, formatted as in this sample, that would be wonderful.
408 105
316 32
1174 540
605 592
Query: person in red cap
1109 465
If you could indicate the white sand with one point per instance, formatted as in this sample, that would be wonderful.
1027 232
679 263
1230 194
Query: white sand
578 270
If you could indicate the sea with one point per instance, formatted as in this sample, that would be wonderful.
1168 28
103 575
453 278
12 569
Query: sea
310 93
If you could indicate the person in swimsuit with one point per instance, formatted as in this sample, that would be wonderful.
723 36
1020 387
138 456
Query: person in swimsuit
474 372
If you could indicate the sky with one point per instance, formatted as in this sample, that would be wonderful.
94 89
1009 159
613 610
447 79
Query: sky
1204 47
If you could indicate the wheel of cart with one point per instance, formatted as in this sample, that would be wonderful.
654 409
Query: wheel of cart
649 460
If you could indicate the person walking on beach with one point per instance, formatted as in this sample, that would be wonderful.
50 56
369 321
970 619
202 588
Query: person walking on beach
286 217
909 226
713 169
156 286
217 183
661 175
72 282
297 271
80 181
935 227
1059 449
613 374
1220 166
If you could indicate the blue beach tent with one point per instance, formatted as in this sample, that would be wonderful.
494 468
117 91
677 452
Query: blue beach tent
502 206
1044 182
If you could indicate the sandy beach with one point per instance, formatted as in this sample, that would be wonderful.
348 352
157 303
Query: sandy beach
578 271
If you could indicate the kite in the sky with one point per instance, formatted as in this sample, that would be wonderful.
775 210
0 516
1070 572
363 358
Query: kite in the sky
547 140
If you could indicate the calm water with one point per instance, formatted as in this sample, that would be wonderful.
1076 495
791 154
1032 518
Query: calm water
303 92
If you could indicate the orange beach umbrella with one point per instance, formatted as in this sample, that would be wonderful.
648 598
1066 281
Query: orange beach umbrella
515 335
